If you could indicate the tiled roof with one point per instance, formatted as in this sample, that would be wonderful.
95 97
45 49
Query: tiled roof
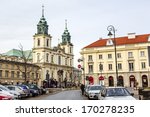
121 41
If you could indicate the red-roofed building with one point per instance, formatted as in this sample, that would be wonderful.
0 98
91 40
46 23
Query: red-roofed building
133 52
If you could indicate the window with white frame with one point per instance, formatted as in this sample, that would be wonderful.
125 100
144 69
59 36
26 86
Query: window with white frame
109 66
118 55
119 66
109 56
100 56
131 66
90 58
100 67
90 68
143 65
130 54
142 53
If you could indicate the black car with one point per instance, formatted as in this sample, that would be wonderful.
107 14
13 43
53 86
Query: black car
34 90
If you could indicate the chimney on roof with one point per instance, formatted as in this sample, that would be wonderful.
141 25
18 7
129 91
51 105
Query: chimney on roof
131 35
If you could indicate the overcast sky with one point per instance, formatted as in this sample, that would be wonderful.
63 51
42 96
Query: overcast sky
87 20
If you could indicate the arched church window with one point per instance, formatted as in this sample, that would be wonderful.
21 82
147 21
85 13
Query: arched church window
47 57
47 42
38 43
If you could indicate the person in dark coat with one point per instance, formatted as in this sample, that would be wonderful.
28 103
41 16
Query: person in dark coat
82 88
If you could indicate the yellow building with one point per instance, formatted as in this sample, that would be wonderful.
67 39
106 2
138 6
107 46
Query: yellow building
133 61
12 70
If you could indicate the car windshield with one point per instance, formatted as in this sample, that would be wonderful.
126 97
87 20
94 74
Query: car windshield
117 92
95 88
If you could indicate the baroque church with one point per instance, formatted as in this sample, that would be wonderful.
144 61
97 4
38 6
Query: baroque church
48 62
55 62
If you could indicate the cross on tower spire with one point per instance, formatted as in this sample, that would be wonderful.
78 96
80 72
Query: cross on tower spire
42 10
65 24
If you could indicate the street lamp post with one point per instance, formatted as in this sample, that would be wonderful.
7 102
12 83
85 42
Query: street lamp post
112 31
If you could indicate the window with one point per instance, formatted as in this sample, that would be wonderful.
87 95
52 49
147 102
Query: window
38 57
59 60
52 59
100 56
47 42
6 74
70 50
109 56
18 74
47 57
100 67
12 74
0 73
130 54
70 62
38 43
109 66
90 58
0 66
118 55
142 53
143 65
6 66
28 74
23 74
131 66
90 68
119 66
65 61
32 75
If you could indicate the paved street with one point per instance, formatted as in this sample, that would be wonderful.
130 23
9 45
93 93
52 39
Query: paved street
64 95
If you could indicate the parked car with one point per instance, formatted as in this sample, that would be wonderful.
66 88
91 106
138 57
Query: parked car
34 90
5 97
86 90
18 89
25 89
6 91
94 91
116 93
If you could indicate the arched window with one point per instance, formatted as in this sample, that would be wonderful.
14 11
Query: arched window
38 42
47 57
38 57
47 42
59 60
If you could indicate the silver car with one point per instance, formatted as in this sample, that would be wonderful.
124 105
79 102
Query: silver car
115 93
94 91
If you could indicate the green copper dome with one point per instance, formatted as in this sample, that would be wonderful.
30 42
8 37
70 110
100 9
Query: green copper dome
42 27
66 38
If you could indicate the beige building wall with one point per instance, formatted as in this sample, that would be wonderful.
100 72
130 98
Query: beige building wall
137 59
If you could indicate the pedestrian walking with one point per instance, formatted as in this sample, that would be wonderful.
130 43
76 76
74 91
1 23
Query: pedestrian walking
82 88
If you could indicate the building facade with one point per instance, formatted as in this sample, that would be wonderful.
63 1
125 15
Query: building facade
55 62
132 61
12 70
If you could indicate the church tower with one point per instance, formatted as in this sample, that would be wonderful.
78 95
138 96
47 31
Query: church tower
42 41
66 41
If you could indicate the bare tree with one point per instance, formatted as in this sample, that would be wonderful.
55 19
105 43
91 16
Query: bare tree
26 66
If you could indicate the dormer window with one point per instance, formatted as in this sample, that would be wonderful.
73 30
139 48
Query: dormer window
109 42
